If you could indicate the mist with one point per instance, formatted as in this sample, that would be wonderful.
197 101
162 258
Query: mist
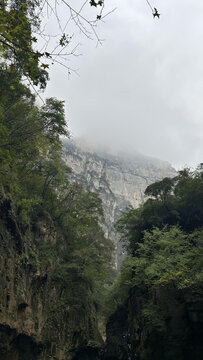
142 89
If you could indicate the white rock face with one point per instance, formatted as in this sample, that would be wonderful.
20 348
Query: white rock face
119 180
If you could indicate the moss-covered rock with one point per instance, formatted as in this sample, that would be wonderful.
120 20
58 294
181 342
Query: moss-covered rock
45 312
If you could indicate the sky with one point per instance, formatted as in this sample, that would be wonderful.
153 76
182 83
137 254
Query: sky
142 89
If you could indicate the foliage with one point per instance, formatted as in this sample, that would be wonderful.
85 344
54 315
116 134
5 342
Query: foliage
164 238
58 223
34 174
17 20
169 255
165 256
118 292
177 201
21 29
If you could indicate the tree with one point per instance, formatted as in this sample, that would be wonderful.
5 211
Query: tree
166 256
20 30
18 21
176 201
22 27
34 176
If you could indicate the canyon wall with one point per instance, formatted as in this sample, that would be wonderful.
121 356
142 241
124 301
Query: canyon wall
119 179
46 306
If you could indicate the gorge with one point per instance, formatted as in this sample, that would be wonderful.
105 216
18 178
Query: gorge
100 250
53 254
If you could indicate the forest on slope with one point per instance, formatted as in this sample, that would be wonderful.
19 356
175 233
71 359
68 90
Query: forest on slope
51 240
157 298
54 257
50 229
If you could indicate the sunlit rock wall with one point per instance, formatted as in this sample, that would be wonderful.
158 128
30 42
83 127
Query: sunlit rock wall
119 180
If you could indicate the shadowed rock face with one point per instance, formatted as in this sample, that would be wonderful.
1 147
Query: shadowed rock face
119 180
172 330
40 319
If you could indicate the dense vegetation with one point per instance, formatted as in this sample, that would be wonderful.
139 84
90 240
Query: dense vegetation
32 171
34 177
164 237
50 228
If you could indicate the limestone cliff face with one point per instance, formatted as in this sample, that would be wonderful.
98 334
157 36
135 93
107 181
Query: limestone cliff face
119 180
41 316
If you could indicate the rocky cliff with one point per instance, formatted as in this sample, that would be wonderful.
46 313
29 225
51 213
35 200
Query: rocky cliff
46 310
120 180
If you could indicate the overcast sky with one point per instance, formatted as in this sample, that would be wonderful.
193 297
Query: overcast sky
142 89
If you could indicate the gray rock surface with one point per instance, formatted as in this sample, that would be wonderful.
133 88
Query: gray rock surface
120 181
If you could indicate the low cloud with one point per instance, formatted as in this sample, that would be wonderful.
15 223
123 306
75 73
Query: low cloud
142 90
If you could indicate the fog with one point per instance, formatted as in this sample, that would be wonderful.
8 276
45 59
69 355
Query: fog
142 89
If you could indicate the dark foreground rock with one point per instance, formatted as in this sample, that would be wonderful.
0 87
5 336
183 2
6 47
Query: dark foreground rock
41 316
164 325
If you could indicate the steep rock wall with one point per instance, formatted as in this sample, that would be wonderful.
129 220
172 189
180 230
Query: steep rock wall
120 180
40 318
